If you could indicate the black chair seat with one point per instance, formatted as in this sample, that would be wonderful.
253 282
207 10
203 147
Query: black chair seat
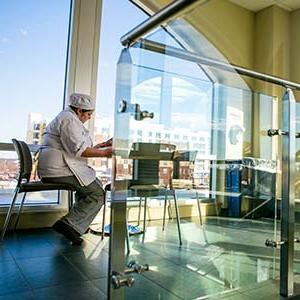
35 186
147 190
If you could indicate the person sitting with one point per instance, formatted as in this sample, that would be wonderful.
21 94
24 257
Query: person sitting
66 145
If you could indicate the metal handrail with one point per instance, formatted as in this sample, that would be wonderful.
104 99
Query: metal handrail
193 57
157 19
170 11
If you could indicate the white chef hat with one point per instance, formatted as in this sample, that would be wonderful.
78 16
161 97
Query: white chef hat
82 101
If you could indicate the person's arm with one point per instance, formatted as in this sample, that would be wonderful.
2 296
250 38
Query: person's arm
107 143
93 152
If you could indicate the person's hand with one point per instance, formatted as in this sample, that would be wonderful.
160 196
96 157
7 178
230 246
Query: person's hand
108 152
107 143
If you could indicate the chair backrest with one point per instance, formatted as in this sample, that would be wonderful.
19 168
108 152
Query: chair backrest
146 158
183 156
25 159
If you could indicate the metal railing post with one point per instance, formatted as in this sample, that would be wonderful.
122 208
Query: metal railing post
288 193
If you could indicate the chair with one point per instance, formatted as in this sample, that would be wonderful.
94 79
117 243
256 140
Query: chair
25 185
187 183
146 180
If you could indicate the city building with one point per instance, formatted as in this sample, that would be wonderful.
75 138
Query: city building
35 128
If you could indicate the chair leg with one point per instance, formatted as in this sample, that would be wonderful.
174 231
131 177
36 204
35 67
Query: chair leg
140 208
216 207
103 218
165 208
127 234
8 216
177 219
144 223
199 208
19 212
70 199
170 210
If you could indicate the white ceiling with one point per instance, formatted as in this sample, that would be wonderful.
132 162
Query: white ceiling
256 5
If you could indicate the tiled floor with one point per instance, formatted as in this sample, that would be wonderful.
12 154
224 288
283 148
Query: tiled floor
225 259
40 264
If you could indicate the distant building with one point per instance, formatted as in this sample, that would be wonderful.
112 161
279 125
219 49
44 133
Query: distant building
138 132
102 132
35 128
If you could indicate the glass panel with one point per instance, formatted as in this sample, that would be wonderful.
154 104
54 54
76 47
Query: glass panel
8 180
297 197
32 76
241 32
242 171
110 48
204 160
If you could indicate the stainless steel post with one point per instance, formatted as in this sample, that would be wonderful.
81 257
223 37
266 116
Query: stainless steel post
119 187
288 193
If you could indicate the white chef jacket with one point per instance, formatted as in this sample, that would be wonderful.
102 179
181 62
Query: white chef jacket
63 142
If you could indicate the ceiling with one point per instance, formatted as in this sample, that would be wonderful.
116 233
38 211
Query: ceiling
256 5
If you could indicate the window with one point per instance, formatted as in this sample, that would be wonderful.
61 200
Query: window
32 78
199 146
36 126
110 49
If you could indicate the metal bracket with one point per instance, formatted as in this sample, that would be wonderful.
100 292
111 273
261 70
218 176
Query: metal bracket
272 132
135 110
275 244
135 267
118 279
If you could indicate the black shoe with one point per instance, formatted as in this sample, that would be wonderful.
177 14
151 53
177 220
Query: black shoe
70 233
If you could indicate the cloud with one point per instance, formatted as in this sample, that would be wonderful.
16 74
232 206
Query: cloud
149 89
23 32
4 40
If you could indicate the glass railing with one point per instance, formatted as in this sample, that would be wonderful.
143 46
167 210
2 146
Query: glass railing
196 88
233 176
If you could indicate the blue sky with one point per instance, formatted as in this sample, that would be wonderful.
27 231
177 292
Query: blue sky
126 16
32 59
33 38
33 41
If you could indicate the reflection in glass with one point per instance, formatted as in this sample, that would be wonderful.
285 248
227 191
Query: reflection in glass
234 172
